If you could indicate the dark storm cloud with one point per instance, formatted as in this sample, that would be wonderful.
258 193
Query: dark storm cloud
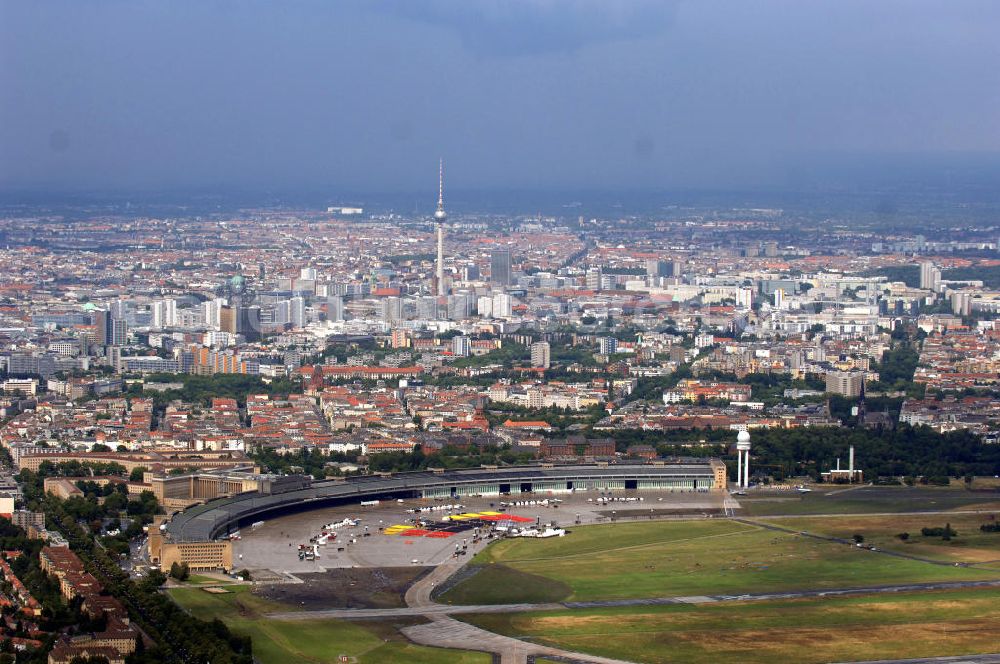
355 96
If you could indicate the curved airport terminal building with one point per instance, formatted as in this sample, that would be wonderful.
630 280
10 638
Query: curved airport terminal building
189 534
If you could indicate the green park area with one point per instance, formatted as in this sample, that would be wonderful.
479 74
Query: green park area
681 558
830 629
319 641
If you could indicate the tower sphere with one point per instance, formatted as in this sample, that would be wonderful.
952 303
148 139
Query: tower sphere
743 440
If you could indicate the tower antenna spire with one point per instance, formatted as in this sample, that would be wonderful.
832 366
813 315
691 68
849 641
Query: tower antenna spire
439 217
441 185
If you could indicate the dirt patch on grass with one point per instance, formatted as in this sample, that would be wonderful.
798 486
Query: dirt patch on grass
347 588
500 584
958 636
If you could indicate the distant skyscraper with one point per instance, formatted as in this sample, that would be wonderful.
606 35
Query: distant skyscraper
119 332
929 276
500 269
163 313
248 323
439 217
594 279
540 354
427 308
102 323
297 312
484 306
335 308
502 306
241 320
607 345
846 383
391 309
212 310
657 268
460 305
461 346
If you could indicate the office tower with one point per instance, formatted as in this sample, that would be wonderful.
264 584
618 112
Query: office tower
771 249
400 339
427 308
297 312
157 315
846 383
461 346
227 319
779 298
308 273
241 320
119 309
607 345
439 218
961 304
163 313
335 307
119 332
657 268
594 279
471 273
212 310
460 306
102 323
502 306
929 276
282 312
391 309
484 307
540 354
676 268
744 297
248 323
500 270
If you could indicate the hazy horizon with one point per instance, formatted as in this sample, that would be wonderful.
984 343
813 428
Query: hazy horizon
356 98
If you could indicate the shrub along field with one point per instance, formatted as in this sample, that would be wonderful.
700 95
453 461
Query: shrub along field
312 641
805 631
680 558
968 543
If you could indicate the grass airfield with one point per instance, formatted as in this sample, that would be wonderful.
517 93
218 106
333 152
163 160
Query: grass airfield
320 641
807 631
681 558
638 559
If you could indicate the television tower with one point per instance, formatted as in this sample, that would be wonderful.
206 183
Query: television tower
439 218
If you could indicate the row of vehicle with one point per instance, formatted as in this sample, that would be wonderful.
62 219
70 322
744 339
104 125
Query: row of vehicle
434 508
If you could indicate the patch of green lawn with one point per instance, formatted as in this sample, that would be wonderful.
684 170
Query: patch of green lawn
680 558
311 641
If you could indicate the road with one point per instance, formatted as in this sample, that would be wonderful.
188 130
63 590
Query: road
430 608
993 658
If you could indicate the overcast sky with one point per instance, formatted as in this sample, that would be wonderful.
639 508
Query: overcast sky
364 96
